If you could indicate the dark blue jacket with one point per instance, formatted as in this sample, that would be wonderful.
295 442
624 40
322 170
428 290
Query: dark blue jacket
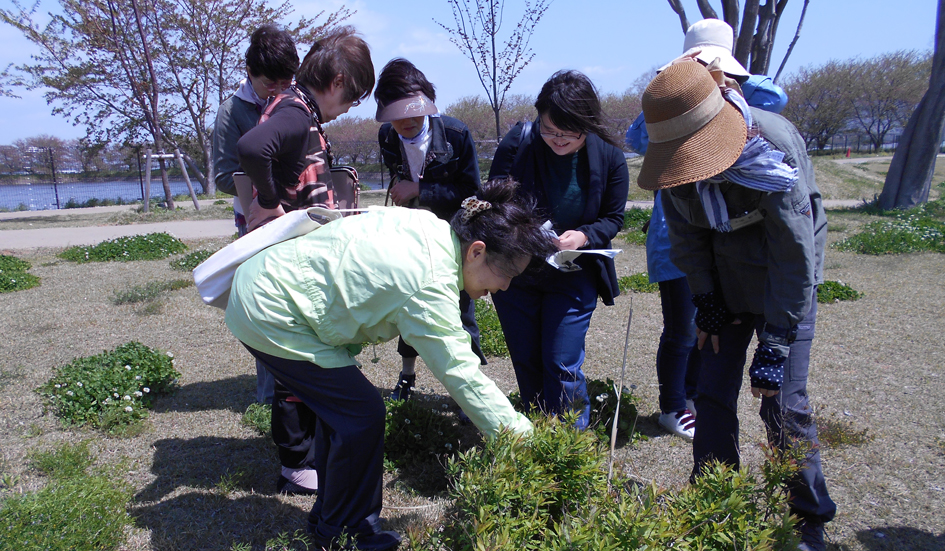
452 167
604 169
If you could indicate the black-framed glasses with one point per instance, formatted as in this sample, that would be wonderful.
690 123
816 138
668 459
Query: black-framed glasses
555 135
355 103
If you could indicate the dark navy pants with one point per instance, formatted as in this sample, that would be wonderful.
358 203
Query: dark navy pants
677 358
545 324
788 416
348 442
467 313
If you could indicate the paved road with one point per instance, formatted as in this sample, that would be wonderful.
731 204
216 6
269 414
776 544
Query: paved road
12 240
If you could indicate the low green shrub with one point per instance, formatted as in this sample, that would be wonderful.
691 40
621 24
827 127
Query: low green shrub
639 283
112 389
75 511
149 291
14 275
153 246
417 433
549 491
191 261
836 432
915 230
836 291
258 417
491 336
603 399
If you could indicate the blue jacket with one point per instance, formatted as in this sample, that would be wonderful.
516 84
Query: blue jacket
452 166
605 169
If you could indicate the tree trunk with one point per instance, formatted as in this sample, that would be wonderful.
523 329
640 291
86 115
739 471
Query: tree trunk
910 174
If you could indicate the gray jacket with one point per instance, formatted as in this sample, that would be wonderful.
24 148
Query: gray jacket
234 118
769 267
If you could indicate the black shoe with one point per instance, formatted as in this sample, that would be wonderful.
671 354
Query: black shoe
404 387
287 487
812 535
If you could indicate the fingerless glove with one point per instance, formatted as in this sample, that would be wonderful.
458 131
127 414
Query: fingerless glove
767 368
711 313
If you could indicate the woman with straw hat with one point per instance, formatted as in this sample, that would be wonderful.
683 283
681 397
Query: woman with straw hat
748 229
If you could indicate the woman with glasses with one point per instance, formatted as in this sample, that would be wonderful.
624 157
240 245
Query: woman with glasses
570 164
287 156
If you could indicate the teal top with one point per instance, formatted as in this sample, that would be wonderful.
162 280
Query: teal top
565 193
367 279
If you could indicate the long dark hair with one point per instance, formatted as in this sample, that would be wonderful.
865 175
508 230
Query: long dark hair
571 102
511 229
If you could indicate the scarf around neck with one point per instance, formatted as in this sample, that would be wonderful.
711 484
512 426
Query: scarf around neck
758 167
416 149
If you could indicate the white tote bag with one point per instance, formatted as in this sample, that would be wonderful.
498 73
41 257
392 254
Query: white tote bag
214 276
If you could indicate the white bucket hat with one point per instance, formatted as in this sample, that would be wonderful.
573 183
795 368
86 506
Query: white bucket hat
710 39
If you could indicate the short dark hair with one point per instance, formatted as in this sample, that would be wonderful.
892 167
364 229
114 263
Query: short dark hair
400 79
571 102
510 228
341 52
272 54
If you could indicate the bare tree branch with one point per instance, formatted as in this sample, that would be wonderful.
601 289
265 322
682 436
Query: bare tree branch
746 33
730 14
797 35
681 12
706 9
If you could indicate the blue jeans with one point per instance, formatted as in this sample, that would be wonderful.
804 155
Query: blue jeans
677 358
788 417
545 323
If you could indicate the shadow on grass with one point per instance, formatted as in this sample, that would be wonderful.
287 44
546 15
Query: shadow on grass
212 463
234 394
206 521
896 538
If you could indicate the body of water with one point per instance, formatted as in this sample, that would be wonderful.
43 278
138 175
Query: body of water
43 196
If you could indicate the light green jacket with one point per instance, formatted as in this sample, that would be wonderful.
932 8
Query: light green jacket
367 279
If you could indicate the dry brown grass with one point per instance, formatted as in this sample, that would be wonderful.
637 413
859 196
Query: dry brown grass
878 362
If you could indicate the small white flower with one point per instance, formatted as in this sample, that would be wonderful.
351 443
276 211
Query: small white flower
406 421
146 390
129 409
58 386
128 368
138 393
169 355
417 436
137 377
127 397
78 384
69 392
115 394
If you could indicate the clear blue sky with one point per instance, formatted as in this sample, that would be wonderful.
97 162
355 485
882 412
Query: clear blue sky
612 41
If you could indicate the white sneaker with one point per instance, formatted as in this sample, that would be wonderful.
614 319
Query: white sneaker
681 423
691 406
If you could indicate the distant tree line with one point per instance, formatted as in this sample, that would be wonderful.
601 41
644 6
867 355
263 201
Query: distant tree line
871 99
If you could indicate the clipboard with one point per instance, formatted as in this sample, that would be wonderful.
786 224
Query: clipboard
244 190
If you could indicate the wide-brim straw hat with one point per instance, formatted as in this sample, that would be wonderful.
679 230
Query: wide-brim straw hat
416 105
712 39
694 132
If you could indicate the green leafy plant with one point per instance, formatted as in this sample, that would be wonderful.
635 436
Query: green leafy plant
415 432
153 246
491 336
75 511
836 291
14 275
835 432
191 261
603 397
112 389
915 230
258 417
633 222
639 283
149 291
549 491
